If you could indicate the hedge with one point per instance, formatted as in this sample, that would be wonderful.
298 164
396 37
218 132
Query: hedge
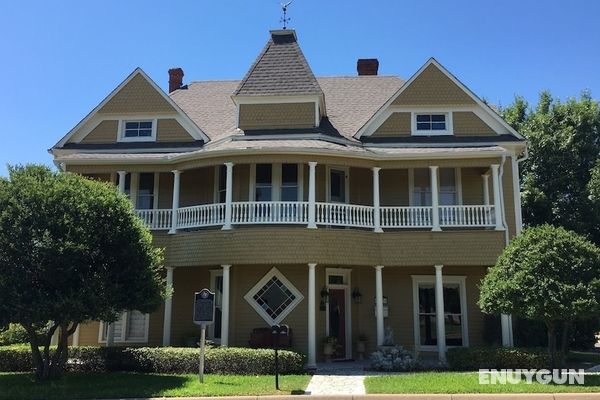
230 360
474 358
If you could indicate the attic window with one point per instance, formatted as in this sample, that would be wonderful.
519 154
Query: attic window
431 124
138 130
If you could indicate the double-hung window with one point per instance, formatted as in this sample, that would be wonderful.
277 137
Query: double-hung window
421 187
276 182
289 182
431 123
131 327
448 189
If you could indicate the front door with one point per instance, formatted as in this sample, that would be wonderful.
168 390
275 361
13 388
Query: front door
337 320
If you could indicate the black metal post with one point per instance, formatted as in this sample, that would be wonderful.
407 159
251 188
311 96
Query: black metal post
276 361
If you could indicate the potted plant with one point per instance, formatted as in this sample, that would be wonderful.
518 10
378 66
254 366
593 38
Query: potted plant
329 343
361 345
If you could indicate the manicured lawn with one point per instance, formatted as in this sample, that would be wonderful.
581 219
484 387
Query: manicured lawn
123 385
465 382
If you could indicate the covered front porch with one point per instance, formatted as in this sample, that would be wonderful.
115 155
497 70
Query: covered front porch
417 305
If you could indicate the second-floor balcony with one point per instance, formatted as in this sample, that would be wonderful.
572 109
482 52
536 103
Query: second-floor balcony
435 191
326 214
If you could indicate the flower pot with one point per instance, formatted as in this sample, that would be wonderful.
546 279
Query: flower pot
328 351
361 347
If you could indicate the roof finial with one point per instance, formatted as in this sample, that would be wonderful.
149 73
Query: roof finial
285 19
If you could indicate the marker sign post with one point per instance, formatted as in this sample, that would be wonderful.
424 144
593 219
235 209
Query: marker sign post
204 314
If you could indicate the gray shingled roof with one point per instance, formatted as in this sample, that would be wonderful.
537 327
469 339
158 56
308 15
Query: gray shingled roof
351 101
280 69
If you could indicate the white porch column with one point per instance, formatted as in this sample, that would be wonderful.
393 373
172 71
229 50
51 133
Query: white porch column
168 309
507 334
439 313
312 318
497 202
122 176
225 306
176 186
376 213
435 201
312 211
486 189
228 195
379 304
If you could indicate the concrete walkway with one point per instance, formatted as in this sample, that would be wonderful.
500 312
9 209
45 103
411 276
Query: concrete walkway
338 379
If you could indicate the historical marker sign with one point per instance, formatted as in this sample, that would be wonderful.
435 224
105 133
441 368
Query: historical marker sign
204 307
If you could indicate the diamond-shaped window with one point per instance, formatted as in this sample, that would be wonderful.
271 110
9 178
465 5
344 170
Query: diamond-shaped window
273 297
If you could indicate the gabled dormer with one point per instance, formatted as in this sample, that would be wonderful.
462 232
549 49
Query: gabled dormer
279 91
434 106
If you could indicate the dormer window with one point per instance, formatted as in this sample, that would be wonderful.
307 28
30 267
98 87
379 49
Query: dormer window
431 124
138 130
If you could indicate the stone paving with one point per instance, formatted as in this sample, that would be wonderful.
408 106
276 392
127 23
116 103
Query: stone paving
338 378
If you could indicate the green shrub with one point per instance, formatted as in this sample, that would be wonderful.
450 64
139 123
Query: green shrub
229 360
13 334
473 358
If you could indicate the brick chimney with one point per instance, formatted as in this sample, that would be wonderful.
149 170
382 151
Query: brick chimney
367 66
175 79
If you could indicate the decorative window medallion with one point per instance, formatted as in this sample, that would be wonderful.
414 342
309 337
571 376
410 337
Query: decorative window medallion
273 297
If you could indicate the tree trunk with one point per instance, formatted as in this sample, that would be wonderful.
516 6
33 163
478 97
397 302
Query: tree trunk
564 343
46 366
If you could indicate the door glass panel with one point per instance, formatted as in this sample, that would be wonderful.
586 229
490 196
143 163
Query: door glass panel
421 187
218 288
336 280
289 182
337 187
264 182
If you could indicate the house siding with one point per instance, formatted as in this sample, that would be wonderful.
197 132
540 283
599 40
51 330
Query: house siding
170 130
137 96
104 132
397 124
467 123
432 88
272 116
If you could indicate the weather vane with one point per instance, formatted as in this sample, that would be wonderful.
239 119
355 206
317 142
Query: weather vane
285 19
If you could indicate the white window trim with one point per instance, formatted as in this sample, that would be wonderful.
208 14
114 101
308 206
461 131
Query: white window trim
453 279
274 272
449 124
276 182
121 130
122 338
328 181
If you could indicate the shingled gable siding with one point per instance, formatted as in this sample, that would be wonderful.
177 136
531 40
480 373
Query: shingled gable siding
467 123
169 130
397 124
432 88
137 96
472 186
272 116
104 132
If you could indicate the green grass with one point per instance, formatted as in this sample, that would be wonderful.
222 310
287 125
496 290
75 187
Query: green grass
465 382
123 385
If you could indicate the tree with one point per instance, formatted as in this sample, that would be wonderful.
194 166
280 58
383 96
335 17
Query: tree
547 274
71 250
564 146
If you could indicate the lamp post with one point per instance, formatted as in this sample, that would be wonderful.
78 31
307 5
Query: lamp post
276 331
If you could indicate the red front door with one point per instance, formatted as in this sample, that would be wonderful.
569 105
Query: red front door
337 320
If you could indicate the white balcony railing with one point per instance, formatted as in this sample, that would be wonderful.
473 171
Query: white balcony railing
406 217
339 214
201 216
327 214
159 219
467 216
269 212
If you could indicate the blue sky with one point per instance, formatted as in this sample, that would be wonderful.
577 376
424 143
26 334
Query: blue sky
60 59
